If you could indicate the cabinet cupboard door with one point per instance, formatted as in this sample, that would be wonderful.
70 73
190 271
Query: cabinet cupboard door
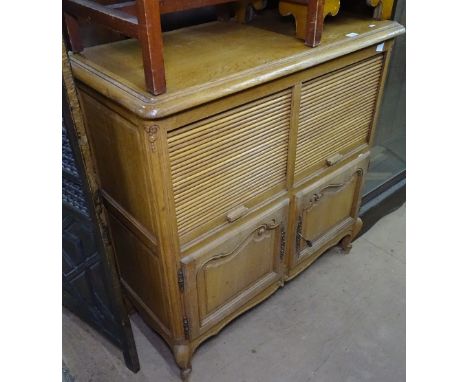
327 210
226 274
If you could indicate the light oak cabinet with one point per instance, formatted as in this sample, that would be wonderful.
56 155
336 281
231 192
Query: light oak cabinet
241 175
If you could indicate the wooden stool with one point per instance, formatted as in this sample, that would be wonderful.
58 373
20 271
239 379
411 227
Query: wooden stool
310 15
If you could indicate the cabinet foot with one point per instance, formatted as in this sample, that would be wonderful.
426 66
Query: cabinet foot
185 374
183 357
356 228
345 243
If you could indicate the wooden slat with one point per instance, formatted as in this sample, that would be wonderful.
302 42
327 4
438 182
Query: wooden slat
318 126
214 143
246 187
329 139
240 170
240 113
344 72
255 186
312 92
332 114
190 178
349 124
226 160
352 141
323 100
340 142
228 126
336 113
233 140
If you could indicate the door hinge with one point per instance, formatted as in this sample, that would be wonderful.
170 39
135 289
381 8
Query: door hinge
283 243
186 328
181 280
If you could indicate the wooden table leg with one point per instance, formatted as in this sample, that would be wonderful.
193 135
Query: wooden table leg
73 32
150 37
383 9
314 27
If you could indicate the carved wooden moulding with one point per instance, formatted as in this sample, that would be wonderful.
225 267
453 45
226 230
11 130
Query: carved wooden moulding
310 15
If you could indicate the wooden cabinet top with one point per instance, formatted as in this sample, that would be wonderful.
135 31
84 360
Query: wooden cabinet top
213 60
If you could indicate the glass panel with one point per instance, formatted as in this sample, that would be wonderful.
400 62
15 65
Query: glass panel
388 156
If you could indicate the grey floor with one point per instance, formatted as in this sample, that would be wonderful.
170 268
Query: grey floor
341 320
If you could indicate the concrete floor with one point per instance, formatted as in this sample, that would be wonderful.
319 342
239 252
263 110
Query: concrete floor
341 320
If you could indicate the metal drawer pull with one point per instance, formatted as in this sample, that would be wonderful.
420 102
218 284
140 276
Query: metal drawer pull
236 213
334 159
308 242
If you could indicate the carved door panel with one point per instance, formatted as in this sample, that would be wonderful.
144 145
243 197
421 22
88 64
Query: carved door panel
327 210
230 271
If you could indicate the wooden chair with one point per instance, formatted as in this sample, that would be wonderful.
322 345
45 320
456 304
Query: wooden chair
310 15
140 19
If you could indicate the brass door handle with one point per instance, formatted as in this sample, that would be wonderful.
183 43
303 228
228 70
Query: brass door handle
334 159
236 213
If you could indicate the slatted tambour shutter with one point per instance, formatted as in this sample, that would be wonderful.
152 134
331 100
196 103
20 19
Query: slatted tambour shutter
222 162
336 112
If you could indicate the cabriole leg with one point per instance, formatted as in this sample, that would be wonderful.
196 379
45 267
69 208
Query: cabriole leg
345 243
183 357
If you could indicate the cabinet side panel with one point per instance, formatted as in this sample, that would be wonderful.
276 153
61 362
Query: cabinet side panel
117 147
120 151
141 273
